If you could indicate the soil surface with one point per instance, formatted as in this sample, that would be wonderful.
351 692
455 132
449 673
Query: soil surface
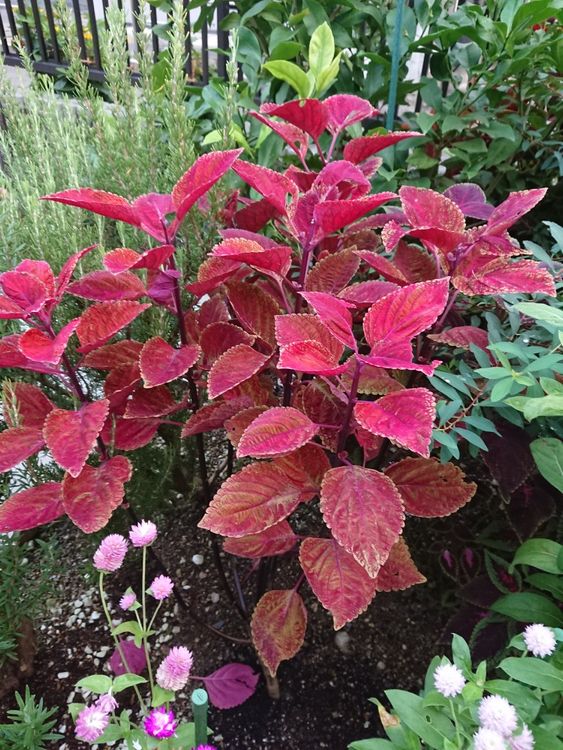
324 689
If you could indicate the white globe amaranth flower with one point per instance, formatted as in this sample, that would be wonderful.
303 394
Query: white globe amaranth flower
523 741
448 680
496 713
540 640
488 739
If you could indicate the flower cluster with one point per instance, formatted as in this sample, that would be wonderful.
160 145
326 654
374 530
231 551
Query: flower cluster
93 720
539 640
449 680
499 721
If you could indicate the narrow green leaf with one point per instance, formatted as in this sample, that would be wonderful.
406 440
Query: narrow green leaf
321 49
534 672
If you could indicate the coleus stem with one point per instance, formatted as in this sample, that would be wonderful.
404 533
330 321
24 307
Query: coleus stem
352 398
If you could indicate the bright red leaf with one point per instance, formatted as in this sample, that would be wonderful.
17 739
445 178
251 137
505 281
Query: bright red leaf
333 215
279 430
39 347
234 367
213 416
334 314
309 115
360 149
17 444
24 405
31 508
399 571
427 208
276 540
71 435
103 286
332 273
102 321
254 309
98 201
161 363
278 627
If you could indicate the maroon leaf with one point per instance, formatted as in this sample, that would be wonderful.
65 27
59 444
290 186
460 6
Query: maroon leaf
160 363
17 444
231 685
134 657
31 508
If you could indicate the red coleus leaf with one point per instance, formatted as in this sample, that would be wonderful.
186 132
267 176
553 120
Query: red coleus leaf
271 260
276 540
309 356
124 259
65 275
430 489
335 214
295 138
230 685
39 347
360 149
200 177
217 338
211 274
291 329
213 310
364 510
374 381
323 406
151 402
332 273
344 110
151 211
120 383
25 290
234 367
278 627
340 584
121 354
513 208
41 270
365 293
31 508
305 467
90 498
273 186
237 424
254 309
279 430
103 286
255 215
24 405
414 263
334 314
462 336
476 276
340 178
9 310
71 435
130 434
405 417
383 266
213 416
103 320
257 497
309 115
17 444
399 571
161 363
11 356
98 201
427 208
471 200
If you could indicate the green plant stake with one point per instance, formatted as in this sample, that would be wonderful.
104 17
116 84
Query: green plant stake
395 59
199 706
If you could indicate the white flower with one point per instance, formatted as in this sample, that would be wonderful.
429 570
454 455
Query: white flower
539 640
495 712
524 741
448 680
488 739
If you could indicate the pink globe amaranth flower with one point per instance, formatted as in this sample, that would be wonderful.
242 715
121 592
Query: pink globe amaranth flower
523 741
540 640
495 712
110 554
91 723
161 587
160 723
128 599
174 671
488 739
106 703
142 533
206 747
448 680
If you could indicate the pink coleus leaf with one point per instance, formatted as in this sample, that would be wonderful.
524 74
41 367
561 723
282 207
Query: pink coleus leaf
217 338
134 656
275 540
255 215
17 444
11 356
120 383
71 435
384 267
272 260
405 417
344 110
200 178
471 200
211 274
231 685
31 508
234 367
341 179
10 310
430 489
249 502
278 627
124 259
279 430
360 149
331 274
334 314
98 201
427 208
309 115
214 415
414 263
291 329
24 405
305 467
295 138
273 186
151 402
41 270
129 434
365 293
309 356
151 211
237 424
502 276
90 498
333 215
255 309
103 320
24 290
399 571
161 363
65 275
39 347
108 357
392 233
462 336
103 286
513 208
341 584
364 511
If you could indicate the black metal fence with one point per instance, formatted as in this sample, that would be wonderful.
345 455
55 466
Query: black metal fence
36 25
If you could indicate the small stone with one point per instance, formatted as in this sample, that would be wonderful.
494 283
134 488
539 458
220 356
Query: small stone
63 675
342 640
215 597
198 559
381 665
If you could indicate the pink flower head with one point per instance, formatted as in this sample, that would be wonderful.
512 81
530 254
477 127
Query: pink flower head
91 723
106 703
206 747
160 723
161 587
495 712
128 599
539 640
449 680
110 554
142 534
174 671
488 739
523 741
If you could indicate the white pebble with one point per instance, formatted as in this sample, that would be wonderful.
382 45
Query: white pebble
63 675
198 559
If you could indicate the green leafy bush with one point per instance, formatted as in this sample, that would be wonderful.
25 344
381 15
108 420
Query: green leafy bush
31 725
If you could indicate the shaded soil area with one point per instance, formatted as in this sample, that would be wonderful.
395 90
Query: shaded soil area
324 689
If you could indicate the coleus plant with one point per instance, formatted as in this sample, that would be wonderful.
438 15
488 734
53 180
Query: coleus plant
308 343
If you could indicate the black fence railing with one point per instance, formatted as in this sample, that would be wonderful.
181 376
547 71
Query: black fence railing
36 25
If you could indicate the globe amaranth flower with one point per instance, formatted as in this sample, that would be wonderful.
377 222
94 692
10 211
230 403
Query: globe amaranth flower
522 741
128 599
448 680
540 640
91 723
160 723
174 671
161 587
106 703
488 739
495 712
142 534
206 747
110 554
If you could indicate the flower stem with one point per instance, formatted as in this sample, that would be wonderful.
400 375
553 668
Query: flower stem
456 723
145 636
